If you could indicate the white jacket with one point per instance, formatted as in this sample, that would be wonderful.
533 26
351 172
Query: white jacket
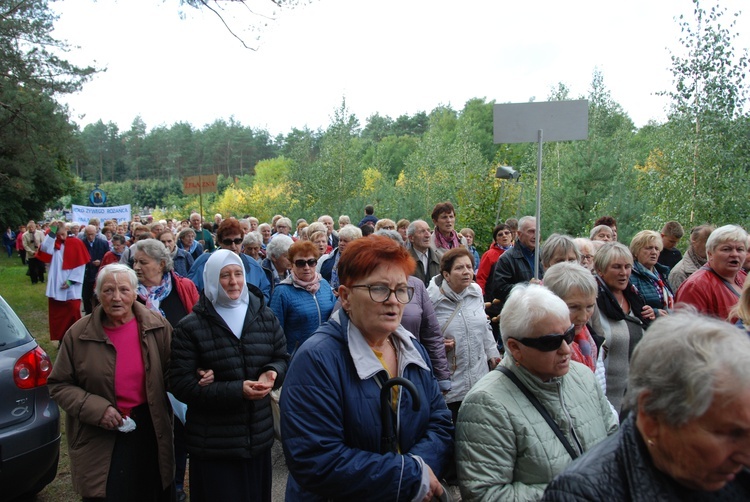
470 328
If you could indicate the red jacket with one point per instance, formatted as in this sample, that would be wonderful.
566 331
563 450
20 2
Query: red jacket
489 258
707 292
186 290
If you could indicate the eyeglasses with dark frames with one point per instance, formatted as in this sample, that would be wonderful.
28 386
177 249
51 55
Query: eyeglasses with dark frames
548 343
380 293
229 242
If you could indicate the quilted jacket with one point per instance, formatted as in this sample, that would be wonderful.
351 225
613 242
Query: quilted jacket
504 448
220 422
301 312
620 469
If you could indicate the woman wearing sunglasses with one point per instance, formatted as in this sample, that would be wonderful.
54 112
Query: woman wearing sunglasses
505 448
343 438
229 236
304 300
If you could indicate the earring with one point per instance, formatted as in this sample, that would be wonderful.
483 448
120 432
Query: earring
650 443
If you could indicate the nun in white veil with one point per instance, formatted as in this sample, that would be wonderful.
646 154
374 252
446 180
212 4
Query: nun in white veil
229 425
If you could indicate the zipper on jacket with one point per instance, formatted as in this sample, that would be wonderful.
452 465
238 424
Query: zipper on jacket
567 415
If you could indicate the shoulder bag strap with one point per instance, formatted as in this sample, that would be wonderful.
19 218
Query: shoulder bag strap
542 411
455 311
726 283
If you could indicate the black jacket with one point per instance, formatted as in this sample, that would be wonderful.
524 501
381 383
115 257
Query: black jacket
620 469
512 268
220 422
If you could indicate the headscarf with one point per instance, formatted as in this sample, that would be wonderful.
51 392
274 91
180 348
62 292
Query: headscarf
232 311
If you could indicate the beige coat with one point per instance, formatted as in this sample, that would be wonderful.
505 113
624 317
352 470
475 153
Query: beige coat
82 383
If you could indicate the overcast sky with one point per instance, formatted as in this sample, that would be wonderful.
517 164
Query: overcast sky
392 57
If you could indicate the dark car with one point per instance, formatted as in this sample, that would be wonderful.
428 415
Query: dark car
29 419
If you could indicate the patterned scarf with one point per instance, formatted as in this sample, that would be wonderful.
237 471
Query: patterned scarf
661 289
447 243
584 349
154 295
311 286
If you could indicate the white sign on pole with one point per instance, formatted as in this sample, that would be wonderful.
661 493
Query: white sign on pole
82 214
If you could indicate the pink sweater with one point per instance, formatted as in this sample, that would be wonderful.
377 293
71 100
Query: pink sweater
130 373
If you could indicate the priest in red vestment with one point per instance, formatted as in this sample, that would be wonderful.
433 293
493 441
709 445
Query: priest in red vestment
67 260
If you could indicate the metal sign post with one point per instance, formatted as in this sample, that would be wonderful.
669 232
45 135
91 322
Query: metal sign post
536 122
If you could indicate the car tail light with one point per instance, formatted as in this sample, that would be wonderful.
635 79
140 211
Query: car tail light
32 369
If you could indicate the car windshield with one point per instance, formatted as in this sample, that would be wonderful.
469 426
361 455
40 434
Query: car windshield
12 331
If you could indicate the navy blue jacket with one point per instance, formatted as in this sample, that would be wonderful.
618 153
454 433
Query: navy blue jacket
331 425
97 250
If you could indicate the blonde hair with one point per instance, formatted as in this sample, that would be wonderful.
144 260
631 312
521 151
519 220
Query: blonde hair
741 309
643 239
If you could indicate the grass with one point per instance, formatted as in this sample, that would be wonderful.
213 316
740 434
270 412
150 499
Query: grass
30 303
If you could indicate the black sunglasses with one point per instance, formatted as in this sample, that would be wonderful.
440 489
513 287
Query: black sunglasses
229 242
548 343
301 263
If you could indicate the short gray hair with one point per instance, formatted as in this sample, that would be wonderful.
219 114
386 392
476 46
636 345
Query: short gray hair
115 268
598 229
609 252
278 246
682 362
413 227
285 221
185 232
391 234
156 250
528 304
565 277
350 232
727 233
555 243
252 238
525 220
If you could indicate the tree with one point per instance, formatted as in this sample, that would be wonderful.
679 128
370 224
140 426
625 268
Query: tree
34 129
708 123
241 19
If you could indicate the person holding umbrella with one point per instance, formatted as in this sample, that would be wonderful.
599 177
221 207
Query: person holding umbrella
336 443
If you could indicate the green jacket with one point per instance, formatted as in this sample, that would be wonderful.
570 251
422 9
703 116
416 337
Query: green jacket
504 448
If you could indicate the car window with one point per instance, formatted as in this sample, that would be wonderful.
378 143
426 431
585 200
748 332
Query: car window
12 331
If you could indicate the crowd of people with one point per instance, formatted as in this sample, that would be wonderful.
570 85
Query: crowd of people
406 358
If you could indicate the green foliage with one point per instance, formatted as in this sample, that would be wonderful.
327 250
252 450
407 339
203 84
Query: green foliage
34 132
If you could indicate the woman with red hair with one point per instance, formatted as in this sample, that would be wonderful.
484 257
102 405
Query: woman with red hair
338 439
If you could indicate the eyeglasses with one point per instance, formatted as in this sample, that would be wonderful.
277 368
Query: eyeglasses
301 263
548 343
587 257
380 293
503 232
229 242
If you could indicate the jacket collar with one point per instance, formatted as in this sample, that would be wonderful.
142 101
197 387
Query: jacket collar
95 328
365 361
531 381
